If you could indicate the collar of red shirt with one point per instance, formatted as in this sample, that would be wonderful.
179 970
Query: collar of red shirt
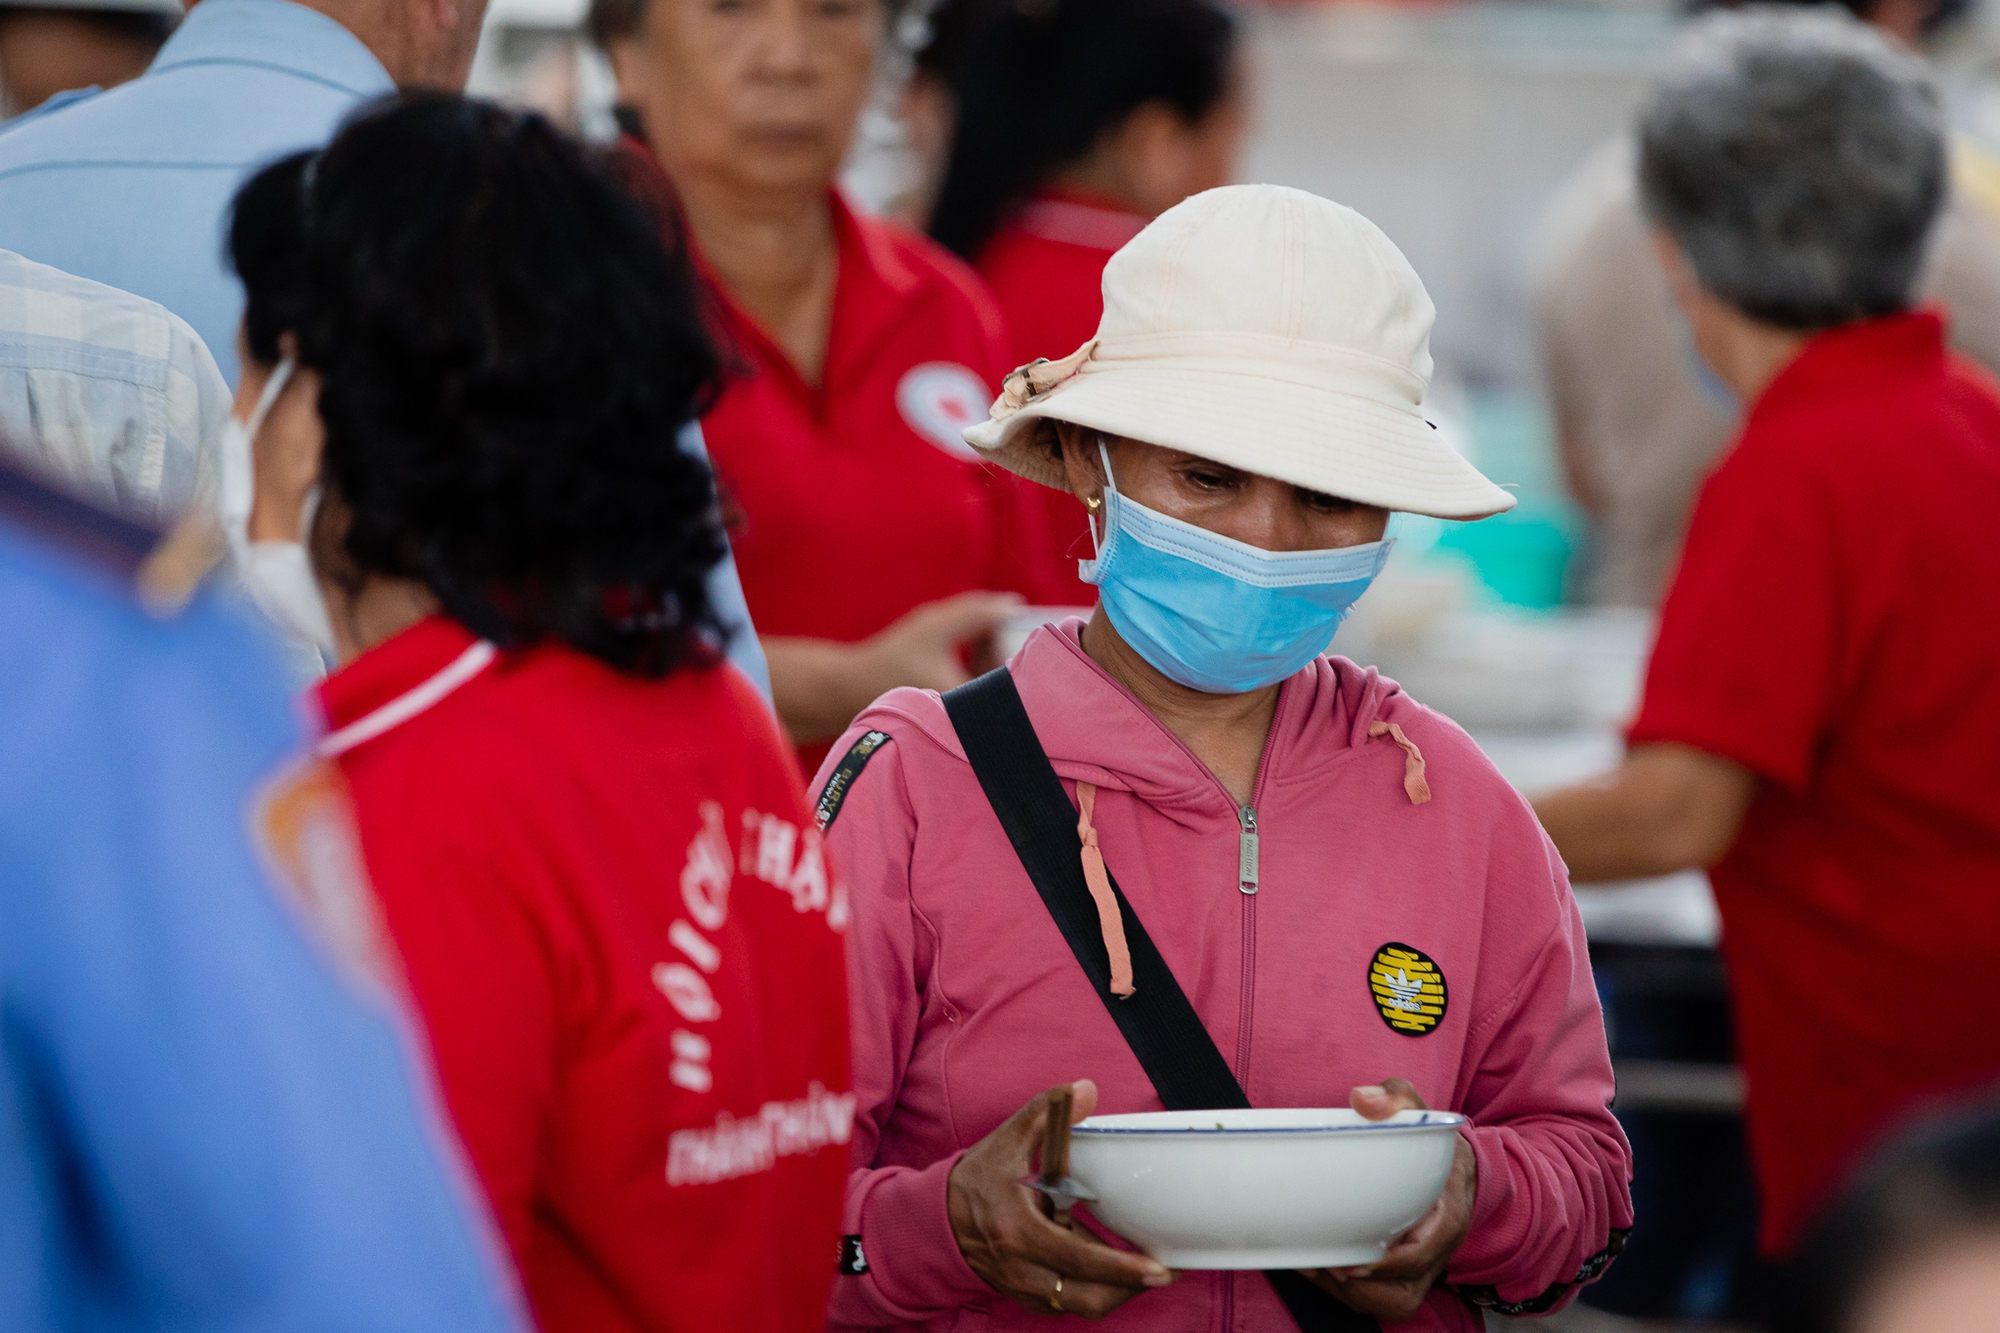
382 684
1868 351
870 286
1078 217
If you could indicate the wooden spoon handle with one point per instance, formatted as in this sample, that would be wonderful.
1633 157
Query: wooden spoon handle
1055 1136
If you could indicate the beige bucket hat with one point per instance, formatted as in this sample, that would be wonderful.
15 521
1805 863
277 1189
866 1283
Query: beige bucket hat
1265 328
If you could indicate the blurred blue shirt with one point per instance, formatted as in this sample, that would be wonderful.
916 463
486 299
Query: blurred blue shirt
725 590
205 1123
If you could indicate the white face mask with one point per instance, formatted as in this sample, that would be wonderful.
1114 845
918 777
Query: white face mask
279 575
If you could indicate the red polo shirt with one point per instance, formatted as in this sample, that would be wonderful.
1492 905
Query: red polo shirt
1832 627
1046 268
859 499
616 921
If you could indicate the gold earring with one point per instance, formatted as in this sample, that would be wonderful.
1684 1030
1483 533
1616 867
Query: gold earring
1094 503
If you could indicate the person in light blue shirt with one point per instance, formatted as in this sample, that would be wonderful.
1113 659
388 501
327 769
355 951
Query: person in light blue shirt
112 394
132 187
212 1117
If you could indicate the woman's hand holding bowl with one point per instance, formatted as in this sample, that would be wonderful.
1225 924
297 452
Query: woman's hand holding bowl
1012 1243
1393 1288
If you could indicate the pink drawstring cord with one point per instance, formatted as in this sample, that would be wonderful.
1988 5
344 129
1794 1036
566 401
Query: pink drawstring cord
1414 784
1108 919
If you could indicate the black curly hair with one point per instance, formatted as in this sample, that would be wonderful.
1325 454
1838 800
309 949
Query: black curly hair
507 356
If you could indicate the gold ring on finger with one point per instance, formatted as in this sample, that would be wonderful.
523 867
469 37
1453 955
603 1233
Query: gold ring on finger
1055 1301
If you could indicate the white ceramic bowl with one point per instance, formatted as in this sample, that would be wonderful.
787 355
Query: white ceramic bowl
1263 1188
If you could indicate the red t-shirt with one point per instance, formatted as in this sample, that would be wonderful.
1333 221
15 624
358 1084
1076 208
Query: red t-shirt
1045 265
614 916
1833 628
859 498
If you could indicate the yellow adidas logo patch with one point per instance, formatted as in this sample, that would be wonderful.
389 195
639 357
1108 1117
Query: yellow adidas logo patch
1409 989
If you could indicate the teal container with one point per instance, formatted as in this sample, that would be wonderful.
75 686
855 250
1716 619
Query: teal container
1521 557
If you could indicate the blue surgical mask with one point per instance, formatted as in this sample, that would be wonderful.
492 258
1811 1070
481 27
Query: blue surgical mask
1214 614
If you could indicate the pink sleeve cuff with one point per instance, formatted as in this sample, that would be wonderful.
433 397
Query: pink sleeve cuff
913 1259
1508 1261
1494 1237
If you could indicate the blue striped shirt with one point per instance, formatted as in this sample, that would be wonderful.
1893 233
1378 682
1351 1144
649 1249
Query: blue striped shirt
111 394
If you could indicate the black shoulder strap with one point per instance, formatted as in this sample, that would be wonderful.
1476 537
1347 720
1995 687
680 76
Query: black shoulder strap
1157 1021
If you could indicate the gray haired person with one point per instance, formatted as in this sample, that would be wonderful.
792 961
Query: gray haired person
1823 704
1797 161
1639 420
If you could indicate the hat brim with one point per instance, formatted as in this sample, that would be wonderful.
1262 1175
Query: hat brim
1336 443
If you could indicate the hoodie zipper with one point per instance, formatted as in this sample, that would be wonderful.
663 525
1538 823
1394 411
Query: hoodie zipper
1247 848
1247 852
1246 884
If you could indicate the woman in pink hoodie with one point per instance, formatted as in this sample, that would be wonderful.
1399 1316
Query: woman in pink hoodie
1357 906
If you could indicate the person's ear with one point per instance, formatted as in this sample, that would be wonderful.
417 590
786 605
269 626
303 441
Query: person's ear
1681 281
1154 149
1081 464
287 453
443 53
628 69
1714 325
